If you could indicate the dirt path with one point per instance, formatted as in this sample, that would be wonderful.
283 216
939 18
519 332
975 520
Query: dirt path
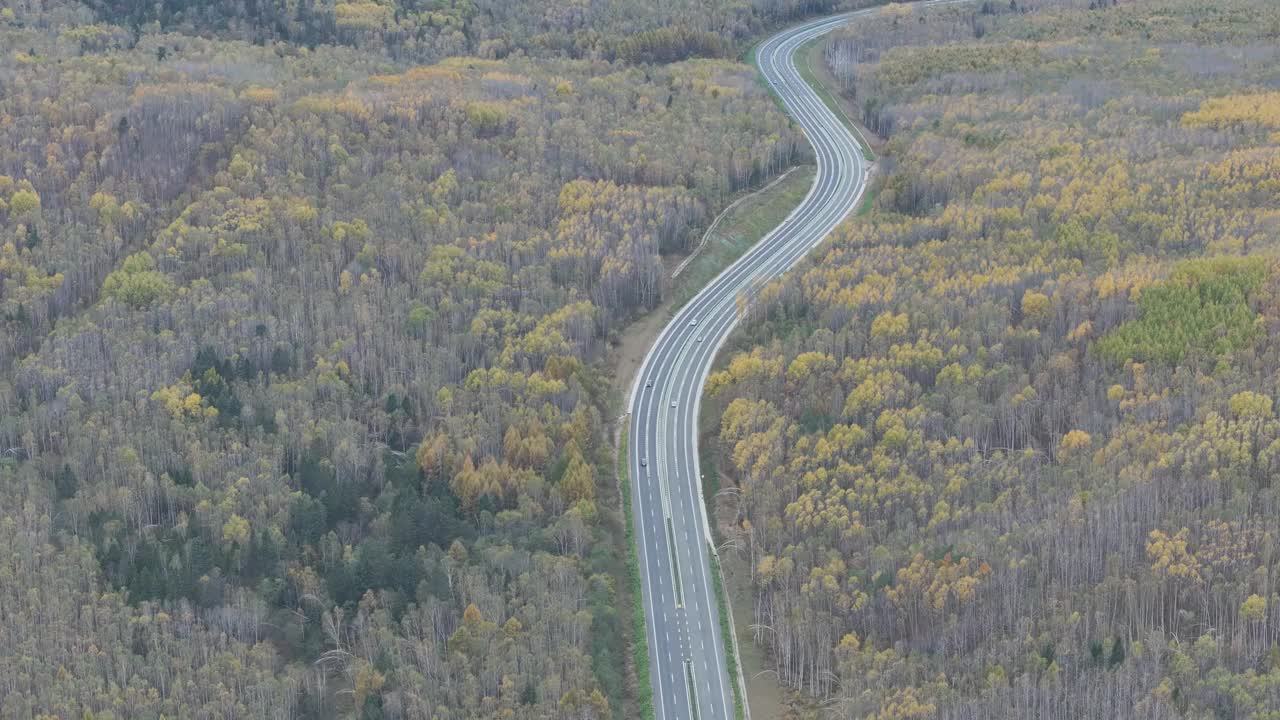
723 214
632 346
739 226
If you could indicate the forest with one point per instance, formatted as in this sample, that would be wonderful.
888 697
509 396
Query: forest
306 310
1006 447
428 30
306 307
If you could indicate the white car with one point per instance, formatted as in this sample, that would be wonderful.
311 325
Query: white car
673 403
693 322
699 338
643 462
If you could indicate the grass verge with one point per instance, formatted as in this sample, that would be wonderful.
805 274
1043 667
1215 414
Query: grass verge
639 637
739 230
869 198
726 632
710 474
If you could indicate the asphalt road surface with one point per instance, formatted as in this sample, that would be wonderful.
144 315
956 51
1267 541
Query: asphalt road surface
686 647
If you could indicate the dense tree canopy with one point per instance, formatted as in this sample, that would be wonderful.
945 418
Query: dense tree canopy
302 407
1007 446
426 30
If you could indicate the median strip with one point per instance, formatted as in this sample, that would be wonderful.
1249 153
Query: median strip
693 689
675 563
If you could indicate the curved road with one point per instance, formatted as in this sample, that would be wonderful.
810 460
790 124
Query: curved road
686 649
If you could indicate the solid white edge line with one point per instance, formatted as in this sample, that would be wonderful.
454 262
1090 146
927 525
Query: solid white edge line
769 268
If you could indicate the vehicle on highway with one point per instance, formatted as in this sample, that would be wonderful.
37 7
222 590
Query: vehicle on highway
649 384
690 678
644 462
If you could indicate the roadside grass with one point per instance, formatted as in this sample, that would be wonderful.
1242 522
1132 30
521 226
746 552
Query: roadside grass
639 635
869 198
726 632
607 602
707 429
710 475
738 231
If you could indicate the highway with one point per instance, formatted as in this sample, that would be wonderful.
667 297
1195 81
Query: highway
686 647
